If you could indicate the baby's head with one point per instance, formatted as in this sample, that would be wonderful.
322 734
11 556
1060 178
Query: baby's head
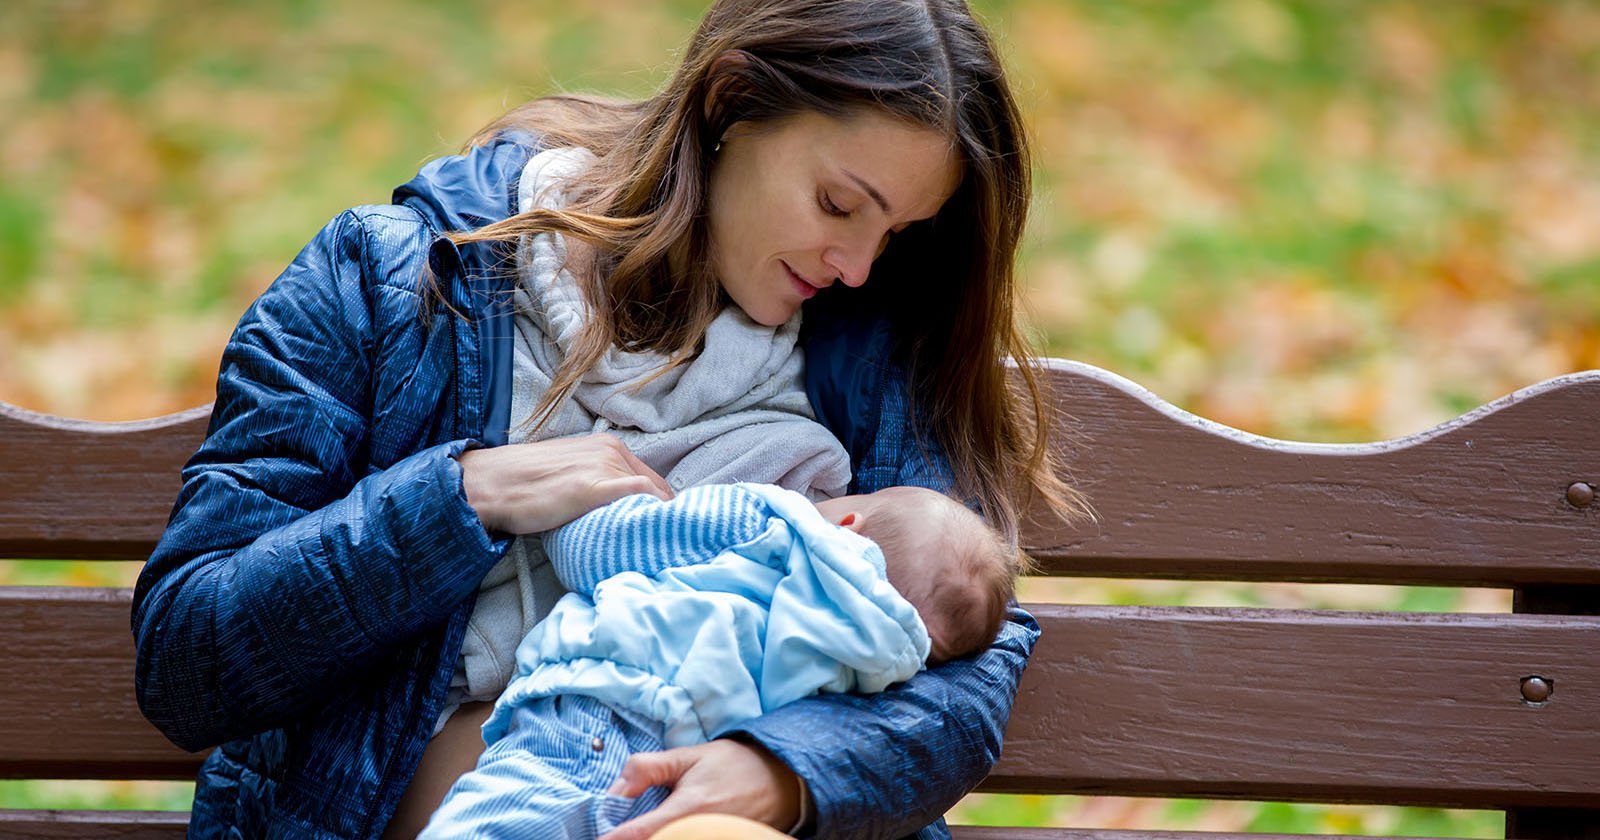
941 557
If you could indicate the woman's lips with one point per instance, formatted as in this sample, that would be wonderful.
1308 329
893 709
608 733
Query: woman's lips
805 289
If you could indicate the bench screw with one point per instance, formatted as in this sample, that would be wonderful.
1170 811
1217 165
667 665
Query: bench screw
1537 689
1579 494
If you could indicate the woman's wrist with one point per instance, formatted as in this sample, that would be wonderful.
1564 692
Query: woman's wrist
478 488
791 794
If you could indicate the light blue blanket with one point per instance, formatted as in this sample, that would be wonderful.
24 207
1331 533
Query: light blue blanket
706 611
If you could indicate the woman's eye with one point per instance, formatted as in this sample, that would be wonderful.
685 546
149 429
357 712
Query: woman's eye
830 208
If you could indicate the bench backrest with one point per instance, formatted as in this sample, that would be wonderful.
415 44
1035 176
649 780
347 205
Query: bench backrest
1384 708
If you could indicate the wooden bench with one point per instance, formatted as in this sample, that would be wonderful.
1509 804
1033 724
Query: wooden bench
1455 710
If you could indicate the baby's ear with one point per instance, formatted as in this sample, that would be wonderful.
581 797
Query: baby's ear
854 520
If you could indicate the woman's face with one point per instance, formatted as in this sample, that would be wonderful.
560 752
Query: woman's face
801 203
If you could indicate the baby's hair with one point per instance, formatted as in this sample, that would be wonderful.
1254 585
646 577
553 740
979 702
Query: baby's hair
994 564
986 558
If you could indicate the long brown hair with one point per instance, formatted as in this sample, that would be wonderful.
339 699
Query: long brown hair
947 285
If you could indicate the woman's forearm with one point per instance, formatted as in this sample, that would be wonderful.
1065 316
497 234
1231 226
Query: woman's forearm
291 555
885 765
528 488
232 641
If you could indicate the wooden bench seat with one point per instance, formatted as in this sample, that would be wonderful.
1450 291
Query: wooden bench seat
168 825
1293 705
69 825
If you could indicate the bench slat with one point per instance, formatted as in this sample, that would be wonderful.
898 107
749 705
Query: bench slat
120 825
75 489
1251 704
66 685
169 825
1178 496
1331 707
1478 501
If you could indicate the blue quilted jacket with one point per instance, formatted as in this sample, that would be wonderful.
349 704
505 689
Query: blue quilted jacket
306 605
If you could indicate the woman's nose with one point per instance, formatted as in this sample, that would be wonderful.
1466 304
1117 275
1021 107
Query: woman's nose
850 262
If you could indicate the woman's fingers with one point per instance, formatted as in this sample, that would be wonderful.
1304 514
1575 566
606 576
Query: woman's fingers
611 489
647 770
531 487
645 826
661 487
721 777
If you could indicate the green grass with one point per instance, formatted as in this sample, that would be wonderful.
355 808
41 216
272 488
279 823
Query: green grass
36 794
1025 811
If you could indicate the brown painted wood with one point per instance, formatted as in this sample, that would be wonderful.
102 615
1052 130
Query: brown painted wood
168 825
1478 501
1555 823
1254 704
66 690
1244 704
1317 706
74 489
121 825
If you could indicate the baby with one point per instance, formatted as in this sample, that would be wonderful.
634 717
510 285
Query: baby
687 618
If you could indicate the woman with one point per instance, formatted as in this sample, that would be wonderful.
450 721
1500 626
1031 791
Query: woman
306 607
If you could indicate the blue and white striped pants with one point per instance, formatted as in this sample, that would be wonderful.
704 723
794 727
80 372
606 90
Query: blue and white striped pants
547 778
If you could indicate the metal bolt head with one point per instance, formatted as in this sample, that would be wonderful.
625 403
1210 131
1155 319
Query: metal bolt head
1537 689
1579 494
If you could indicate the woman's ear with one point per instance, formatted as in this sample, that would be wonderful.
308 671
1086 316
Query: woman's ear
725 80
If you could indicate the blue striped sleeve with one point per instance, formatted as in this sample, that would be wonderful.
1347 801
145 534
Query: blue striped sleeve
645 534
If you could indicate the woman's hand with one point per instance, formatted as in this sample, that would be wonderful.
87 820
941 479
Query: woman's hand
718 777
526 488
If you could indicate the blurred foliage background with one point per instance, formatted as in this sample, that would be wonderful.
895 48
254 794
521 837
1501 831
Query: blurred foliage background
1327 221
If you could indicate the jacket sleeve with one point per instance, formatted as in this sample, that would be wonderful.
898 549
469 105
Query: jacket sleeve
290 559
885 765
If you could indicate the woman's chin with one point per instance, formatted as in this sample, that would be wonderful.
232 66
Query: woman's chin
774 315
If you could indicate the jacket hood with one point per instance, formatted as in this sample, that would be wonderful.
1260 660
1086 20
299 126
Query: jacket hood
468 191
465 192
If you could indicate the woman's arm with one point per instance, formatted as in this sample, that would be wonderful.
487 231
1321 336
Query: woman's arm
315 527
885 765
289 559
875 766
